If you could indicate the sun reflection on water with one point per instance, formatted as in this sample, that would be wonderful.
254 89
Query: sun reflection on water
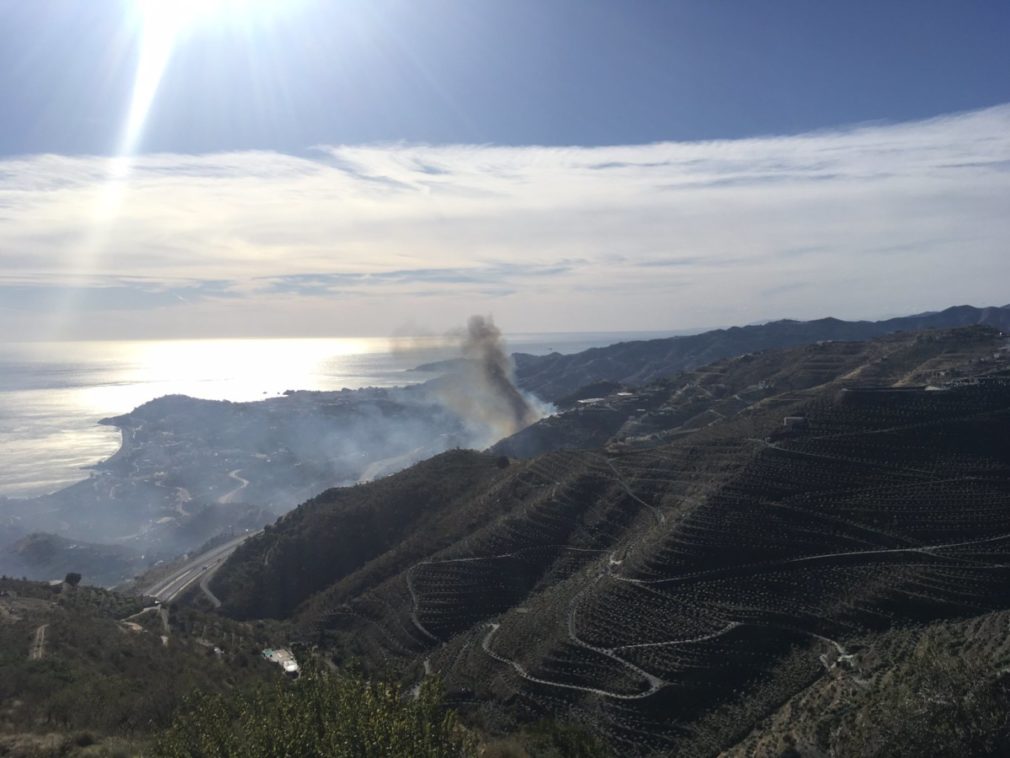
224 369
53 394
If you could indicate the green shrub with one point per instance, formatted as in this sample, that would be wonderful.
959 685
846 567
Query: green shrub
319 715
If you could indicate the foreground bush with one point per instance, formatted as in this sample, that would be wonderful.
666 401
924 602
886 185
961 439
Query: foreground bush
319 715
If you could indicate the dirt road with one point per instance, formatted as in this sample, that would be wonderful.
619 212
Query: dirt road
38 648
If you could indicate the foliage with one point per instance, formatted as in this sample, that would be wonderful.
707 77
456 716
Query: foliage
553 739
548 738
319 715
104 675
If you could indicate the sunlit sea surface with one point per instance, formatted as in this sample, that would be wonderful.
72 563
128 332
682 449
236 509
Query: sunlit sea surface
53 394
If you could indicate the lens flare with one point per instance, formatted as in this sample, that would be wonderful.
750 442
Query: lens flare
159 27
162 23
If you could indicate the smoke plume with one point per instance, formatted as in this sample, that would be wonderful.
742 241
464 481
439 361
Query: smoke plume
481 389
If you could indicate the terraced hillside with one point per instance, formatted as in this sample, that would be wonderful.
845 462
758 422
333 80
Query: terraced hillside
622 417
933 689
672 589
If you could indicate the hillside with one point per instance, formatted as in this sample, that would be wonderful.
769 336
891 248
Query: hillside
672 587
935 689
92 672
335 533
625 417
89 672
555 376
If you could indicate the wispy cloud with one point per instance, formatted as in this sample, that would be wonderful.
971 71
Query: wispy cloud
361 238
342 281
104 295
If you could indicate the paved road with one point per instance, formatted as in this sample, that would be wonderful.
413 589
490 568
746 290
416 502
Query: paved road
168 588
205 589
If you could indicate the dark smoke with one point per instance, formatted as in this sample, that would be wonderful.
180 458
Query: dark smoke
484 345
482 390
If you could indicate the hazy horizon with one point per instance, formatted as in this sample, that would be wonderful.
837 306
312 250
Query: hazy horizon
448 336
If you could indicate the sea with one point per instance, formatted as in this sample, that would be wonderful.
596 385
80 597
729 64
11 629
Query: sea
52 394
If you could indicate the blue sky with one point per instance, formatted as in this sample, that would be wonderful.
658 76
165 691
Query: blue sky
512 72
344 167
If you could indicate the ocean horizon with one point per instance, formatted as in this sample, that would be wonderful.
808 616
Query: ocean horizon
53 394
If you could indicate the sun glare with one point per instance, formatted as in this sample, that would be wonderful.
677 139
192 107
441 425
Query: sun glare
159 28
162 24
223 369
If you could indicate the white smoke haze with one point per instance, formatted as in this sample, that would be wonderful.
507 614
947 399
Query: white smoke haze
411 341
194 468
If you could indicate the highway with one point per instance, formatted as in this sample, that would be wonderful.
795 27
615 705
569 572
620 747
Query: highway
168 588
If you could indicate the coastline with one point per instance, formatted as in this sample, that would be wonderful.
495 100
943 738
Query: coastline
56 399
125 442
63 477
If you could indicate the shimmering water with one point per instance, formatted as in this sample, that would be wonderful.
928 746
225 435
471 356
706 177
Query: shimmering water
53 394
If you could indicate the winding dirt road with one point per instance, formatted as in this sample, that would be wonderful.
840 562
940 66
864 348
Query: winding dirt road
229 496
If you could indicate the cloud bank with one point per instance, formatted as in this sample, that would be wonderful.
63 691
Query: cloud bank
357 240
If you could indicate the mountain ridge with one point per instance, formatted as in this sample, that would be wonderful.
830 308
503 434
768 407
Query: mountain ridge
554 376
